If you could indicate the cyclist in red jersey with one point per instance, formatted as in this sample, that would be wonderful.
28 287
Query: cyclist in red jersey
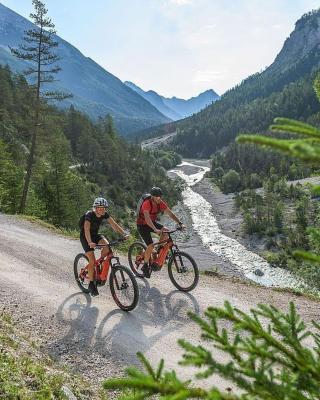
147 223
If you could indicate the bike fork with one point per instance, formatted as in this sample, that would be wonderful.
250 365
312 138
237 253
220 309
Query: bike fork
116 279
178 267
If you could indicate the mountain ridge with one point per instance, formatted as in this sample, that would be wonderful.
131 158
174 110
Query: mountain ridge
176 108
96 91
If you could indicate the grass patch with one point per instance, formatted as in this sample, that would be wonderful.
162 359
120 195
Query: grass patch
70 233
27 374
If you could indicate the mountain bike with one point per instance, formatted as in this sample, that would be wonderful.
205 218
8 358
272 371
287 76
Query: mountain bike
182 268
123 285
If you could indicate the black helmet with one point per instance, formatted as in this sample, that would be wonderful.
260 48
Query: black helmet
156 191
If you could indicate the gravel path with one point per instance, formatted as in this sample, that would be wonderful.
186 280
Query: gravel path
90 335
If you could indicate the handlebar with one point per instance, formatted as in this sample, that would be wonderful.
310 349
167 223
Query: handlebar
178 228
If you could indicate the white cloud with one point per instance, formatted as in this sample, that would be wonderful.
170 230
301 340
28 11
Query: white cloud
181 2
207 76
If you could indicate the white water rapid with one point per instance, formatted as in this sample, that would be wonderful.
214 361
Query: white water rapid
205 224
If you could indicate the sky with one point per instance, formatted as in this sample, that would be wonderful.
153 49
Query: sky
176 47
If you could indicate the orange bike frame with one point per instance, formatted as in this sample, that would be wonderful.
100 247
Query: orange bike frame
102 266
161 256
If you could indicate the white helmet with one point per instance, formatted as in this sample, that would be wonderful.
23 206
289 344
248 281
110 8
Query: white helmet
100 202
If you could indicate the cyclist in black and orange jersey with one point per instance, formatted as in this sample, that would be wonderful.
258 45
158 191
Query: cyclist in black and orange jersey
89 227
147 223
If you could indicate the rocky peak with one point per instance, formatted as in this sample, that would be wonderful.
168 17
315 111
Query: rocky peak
303 40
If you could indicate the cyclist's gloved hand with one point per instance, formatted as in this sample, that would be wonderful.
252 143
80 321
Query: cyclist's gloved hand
126 236
92 245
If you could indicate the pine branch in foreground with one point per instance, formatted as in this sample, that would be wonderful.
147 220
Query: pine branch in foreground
265 358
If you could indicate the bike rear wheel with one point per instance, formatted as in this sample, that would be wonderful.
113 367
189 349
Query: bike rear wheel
81 272
136 258
123 287
183 271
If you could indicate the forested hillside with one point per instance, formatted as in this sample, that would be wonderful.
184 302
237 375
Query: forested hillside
103 163
284 88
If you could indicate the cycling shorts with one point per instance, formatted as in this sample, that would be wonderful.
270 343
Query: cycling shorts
145 232
95 239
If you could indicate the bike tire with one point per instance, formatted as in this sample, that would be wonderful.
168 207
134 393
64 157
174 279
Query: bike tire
118 280
79 262
180 260
135 258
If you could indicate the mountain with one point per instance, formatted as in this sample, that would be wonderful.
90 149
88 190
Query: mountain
95 91
156 100
175 108
194 104
283 89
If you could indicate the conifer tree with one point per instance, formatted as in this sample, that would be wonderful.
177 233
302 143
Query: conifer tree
37 50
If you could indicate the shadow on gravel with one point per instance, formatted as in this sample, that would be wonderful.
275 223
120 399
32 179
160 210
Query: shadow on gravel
121 335
77 313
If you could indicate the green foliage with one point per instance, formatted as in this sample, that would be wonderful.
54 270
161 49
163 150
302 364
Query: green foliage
37 49
305 146
265 357
230 181
254 165
25 374
166 158
11 181
103 163
307 149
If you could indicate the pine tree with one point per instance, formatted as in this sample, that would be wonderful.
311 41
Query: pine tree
37 50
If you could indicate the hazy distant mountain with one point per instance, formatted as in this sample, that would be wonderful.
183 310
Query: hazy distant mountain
156 100
96 91
175 108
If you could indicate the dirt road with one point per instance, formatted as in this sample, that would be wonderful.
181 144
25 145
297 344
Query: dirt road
92 336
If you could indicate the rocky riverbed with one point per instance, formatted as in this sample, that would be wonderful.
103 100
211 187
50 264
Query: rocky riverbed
215 233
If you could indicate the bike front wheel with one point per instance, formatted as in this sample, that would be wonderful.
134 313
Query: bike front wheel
136 258
183 271
80 269
124 287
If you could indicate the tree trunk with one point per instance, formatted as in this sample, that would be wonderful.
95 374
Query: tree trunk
29 164
35 132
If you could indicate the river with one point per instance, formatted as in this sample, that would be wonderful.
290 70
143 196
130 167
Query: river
206 226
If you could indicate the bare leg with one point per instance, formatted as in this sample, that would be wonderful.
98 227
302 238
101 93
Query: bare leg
150 248
92 260
147 253
104 250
